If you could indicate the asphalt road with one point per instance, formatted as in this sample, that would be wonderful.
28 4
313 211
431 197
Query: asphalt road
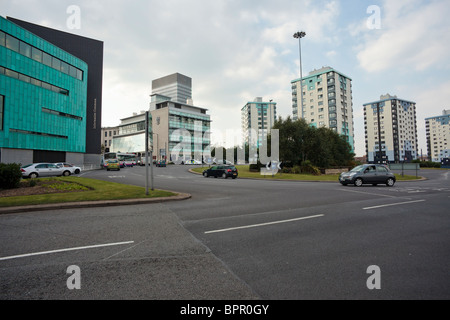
239 239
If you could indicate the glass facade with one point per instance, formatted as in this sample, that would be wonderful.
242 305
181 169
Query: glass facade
43 92
196 124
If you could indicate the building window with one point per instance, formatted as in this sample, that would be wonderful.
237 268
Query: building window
12 43
25 78
38 55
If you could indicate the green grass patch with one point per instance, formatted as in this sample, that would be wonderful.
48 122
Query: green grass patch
86 190
244 172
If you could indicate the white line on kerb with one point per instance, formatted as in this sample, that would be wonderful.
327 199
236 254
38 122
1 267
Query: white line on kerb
65 250
263 224
393 204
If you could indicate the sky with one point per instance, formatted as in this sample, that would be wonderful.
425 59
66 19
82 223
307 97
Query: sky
236 50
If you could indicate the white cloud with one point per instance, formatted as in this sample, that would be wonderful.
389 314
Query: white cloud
414 35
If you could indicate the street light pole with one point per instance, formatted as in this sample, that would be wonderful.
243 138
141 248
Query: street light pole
299 35
146 151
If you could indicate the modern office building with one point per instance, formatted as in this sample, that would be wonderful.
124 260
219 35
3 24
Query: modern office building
327 101
391 130
258 117
90 52
43 99
166 116
438 137
130 137
179 128
176 86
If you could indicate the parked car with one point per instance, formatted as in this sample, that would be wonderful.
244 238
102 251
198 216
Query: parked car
73 169
161 163
221 171
113 164
36 170
192 162
368 174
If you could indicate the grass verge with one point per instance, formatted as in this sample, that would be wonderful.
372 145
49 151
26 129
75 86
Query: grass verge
244 172
97 191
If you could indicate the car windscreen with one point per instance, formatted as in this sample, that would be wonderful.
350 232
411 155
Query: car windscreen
357 169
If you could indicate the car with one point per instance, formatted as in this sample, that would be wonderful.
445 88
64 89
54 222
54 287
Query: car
221 171
222 162
113 164
192 162
161 163
368 174
73 169
36 170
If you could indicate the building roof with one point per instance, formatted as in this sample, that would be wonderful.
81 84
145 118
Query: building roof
319 72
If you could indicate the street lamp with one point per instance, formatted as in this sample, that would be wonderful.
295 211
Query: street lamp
299 35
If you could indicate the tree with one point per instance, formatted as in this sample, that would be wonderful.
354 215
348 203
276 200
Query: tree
300 142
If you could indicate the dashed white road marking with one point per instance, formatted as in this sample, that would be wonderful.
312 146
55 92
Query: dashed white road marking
264 224
393 204
65 250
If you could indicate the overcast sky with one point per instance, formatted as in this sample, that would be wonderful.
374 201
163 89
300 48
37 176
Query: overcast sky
236 50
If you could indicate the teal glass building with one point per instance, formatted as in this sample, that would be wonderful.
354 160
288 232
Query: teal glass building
43 96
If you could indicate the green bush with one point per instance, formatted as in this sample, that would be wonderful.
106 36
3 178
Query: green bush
255 167
296 170
307 168
286 170
10 175
428 164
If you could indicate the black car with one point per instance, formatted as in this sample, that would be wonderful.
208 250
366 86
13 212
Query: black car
221 171
368 174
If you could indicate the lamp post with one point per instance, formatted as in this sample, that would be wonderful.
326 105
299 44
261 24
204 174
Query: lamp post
299 35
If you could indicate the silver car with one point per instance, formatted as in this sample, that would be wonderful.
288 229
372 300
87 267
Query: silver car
368 174
73 169
36 170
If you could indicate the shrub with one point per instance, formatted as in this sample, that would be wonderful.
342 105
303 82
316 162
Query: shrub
286 170
255 167
308 168
10 175
428 164
296 170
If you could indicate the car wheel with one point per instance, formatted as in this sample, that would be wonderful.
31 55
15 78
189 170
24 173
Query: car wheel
205 174
77 171
33 175
390 182
66 173
224 175
358 182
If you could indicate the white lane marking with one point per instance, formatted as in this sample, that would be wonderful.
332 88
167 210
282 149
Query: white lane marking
373 194
264 224
65 250
393 204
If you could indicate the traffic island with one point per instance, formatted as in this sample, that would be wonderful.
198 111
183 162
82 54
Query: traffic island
77 192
